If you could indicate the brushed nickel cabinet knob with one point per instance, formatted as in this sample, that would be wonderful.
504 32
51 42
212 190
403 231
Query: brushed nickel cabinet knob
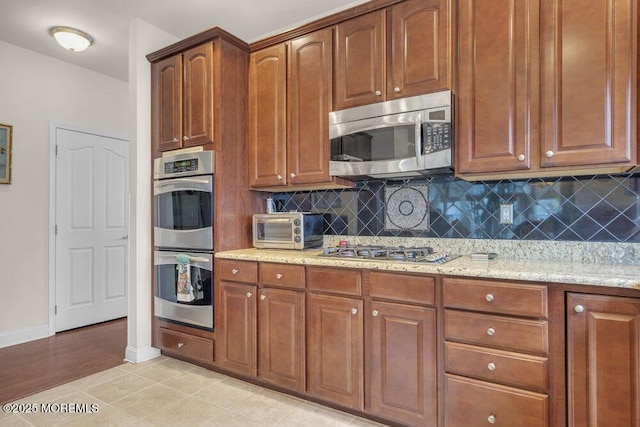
378 93
521 157
549 154
579 308
491 332
396 89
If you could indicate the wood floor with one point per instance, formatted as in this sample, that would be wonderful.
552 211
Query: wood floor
38 365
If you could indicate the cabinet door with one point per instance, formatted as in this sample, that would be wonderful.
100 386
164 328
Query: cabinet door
588 83
360 61
497 87
403 363
603 351
166 103
198 96
420 48
336 348
282 355
309 87
238 327
268 116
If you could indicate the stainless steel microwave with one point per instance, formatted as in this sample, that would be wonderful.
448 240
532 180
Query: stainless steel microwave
402 138
288 230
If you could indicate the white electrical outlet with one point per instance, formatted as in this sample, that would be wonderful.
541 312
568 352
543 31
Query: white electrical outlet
506 213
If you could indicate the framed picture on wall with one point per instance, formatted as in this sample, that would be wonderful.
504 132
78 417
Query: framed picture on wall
5 154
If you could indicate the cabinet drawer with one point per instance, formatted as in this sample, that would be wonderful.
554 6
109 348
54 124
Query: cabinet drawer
186 345
238 271
515 369
403 287
497 331
335 280
517 299
291 276
477 403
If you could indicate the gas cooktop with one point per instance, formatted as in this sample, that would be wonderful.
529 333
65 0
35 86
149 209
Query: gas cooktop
388 253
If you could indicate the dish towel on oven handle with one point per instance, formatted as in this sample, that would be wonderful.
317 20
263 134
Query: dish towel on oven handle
185 291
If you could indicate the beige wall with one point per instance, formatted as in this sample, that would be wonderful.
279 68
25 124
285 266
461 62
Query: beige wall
35 90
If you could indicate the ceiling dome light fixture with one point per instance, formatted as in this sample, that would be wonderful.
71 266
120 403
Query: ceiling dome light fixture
71 38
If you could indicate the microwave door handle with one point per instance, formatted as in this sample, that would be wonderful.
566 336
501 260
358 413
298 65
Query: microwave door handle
418 140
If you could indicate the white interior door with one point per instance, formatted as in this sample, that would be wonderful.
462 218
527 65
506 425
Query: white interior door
92 205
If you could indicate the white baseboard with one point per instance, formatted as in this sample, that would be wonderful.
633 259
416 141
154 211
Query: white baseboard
25 335
142 354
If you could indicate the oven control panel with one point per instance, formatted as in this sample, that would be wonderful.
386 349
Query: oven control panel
178 166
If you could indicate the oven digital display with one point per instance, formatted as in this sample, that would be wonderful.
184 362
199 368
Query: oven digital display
190 165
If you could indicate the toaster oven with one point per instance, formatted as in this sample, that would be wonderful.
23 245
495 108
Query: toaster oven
288 230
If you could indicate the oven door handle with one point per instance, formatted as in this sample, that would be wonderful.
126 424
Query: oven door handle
418 140
182 180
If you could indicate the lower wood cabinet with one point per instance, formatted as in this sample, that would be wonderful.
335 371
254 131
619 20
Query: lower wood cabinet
185 345
336 350
603 366
281 324
237 325
478 403
403 363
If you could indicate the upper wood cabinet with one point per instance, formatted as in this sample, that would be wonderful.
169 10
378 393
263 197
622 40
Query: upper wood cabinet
182 99
588 82
546 87
603 350
288 114
268 116
400 51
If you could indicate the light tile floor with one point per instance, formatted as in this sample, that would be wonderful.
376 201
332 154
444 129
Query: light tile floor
169 392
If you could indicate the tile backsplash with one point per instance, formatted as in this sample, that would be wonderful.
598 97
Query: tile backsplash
602 208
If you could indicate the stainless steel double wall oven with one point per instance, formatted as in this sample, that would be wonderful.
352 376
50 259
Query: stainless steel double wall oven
183 237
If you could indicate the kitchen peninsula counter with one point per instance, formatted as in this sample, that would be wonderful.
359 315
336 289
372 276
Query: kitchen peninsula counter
540 270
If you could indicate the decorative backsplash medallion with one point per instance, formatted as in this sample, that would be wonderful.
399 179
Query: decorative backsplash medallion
603 208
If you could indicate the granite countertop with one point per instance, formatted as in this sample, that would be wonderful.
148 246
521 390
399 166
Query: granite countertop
541 270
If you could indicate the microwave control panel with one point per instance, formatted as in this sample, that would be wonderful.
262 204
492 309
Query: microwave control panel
437 137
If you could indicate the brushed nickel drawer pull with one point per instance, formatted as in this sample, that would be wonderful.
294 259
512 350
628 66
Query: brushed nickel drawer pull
354 311
491 366
491 332
489 297
249 294
492 419
180 344
263 297
375 313
234 271
278 276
